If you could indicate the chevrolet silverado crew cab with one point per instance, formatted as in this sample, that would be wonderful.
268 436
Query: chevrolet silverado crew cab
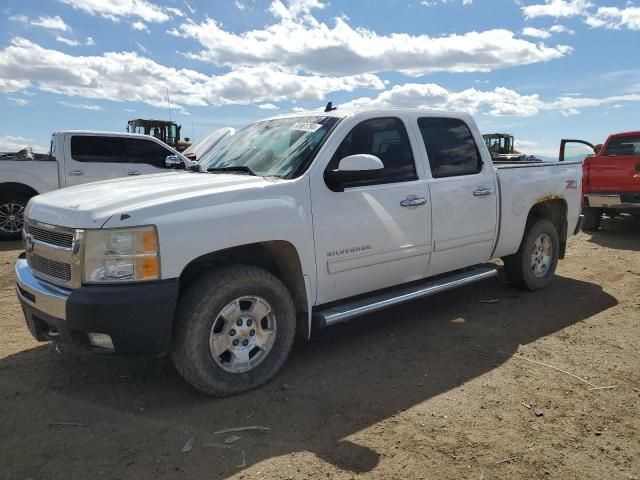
76 157
295 221
611 180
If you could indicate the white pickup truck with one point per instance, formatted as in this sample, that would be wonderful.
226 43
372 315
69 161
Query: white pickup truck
295 221
76 157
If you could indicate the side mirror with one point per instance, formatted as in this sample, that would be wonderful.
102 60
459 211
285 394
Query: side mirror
354 168
173 161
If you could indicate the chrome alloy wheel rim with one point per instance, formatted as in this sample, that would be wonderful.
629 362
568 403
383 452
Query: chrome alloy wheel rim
243 334
541 255
11 217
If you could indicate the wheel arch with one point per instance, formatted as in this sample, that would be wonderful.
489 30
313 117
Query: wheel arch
278 257
555 210
16 187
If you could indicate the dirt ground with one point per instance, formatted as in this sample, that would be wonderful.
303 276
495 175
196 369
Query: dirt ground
413 392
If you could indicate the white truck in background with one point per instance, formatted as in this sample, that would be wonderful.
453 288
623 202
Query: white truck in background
299 220
76 157
207 143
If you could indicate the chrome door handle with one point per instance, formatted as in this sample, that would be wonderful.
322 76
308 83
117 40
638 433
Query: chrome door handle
133 172
482 192
75 173
413 202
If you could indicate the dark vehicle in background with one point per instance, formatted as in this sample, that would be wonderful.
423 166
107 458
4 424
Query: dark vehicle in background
165 131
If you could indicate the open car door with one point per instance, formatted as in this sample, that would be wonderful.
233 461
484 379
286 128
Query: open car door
574 150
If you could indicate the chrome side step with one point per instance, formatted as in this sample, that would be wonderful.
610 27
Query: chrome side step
347 311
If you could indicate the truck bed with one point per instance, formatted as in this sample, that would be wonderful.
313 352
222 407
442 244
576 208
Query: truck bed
521 185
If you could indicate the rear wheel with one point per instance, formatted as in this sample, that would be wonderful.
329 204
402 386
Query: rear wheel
12 207
533 266
234 330
592 218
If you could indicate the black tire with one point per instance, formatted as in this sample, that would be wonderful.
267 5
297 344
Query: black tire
11 230
198 309
518 267
592 218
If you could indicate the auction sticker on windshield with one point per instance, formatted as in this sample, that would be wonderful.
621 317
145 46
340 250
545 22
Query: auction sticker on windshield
306 126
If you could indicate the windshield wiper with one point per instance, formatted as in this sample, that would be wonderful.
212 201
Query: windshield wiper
232 169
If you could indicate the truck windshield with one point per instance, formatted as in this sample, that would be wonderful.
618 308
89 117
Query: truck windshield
271 148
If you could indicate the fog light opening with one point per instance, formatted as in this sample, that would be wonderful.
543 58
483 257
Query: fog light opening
101 340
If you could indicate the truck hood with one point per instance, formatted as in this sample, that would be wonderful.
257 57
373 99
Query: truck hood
93 204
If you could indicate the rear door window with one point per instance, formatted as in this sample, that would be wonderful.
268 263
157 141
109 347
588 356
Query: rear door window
450 147
96 149
139 150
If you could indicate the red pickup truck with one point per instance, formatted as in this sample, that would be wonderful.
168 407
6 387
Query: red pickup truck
611 176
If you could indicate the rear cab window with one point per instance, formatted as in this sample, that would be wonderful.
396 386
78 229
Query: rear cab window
96 149
450 146
625 146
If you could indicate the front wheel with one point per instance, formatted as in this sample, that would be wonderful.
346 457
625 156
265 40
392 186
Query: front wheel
533 266
234 330
12 207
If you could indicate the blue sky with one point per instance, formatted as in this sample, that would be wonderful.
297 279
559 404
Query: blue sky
540 69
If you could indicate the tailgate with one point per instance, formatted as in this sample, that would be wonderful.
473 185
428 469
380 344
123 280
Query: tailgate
614 174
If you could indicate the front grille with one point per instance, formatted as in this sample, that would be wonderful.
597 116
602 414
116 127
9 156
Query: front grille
51 268
57 238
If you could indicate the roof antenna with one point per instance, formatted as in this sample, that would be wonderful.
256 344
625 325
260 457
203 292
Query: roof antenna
330 107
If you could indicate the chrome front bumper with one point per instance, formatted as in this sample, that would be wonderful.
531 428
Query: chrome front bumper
41 295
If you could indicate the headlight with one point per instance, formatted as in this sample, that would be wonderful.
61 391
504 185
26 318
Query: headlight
121 255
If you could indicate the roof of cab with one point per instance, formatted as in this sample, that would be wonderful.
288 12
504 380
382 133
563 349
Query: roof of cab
347 112
101 133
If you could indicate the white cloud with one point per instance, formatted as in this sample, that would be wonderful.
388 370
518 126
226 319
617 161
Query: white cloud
570 112
268 106
19 101
546 33
561 29
524 145
117 9
10 143
126 76
299 42
67 41
431 3
174 11
12 84
19 18
498 102
239 5
89 41
557 8
535 32
52 23
295 8
83 106
140 26
596 17
615 18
